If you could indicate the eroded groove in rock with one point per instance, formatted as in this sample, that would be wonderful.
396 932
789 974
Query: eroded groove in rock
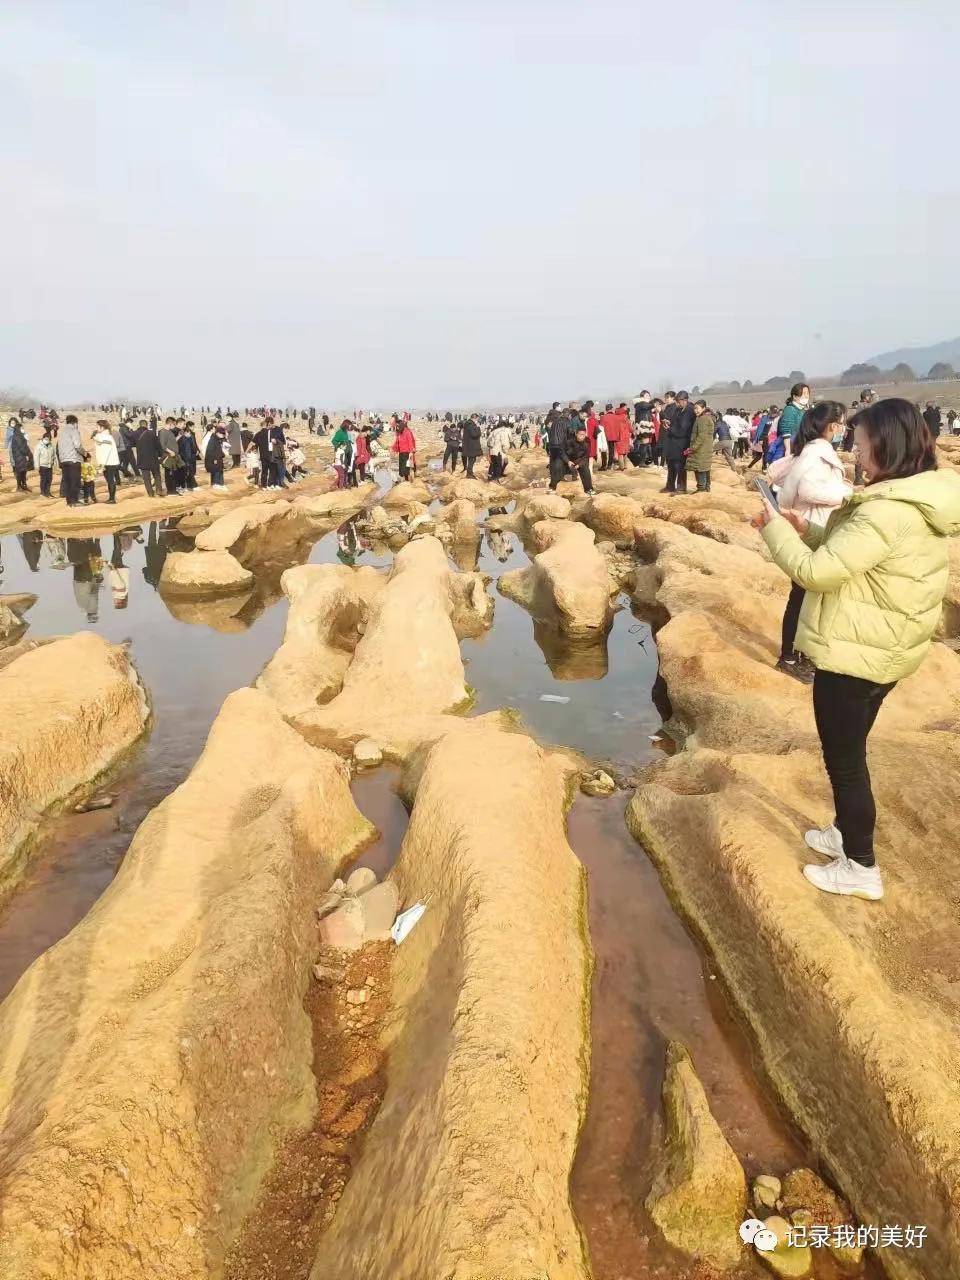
465 1170
406 670
152 1060
854 1007
68 711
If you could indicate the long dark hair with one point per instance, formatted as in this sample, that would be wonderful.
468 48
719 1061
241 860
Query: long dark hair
901 442
815 421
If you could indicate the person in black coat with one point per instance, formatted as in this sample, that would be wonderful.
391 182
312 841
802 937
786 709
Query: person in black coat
149 453
21 455
190 453
558 434
577 454
215 457
472 445
452 438
676 431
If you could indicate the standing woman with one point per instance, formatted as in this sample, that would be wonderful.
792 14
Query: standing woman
108 457
21 456
472 445
812 483
361 452
214 456
404 445
875 578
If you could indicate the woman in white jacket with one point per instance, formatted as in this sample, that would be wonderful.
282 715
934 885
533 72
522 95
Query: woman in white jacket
107 456
811 481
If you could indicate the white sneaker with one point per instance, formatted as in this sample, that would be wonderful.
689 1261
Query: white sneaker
845 877
826 840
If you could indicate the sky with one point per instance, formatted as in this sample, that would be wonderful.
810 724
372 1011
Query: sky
443 203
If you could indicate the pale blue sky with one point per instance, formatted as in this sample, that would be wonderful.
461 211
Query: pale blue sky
442 203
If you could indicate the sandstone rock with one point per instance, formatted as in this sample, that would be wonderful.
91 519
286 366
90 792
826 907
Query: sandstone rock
338 502
547 506
12 625
478 492
422 523
598 784
367 754
566 584
614 517
226 614
460 518
410 632
19 602
699 1194
199 573
766 1193
154 1060
471 1136
228 531
329 605
379 904
343 926
68 712
724 820
406 493
331 899
789 1261
360 880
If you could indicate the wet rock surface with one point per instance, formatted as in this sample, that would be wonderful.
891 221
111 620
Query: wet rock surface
69 710
152 1062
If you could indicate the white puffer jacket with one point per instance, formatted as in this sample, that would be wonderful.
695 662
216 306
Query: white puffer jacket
105 448
812 483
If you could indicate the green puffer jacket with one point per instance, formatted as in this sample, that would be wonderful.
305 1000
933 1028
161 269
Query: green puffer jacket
875 576
700 457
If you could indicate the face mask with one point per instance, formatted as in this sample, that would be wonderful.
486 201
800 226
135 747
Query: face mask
803 401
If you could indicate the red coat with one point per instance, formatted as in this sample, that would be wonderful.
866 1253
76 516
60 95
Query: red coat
405 442
592 424
361 454
612 425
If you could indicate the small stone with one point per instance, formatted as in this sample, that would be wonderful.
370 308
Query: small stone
95 802
848 1257
378 907
360 995
367 754
360 880
785 1260
327 973
597 784
331 899
344 927
766 1191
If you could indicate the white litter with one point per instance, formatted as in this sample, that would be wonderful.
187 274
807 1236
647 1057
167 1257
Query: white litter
656 737
552 697
618 715
406 920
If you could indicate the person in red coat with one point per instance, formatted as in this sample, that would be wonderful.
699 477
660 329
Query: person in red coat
361 452
592 423
613 425
404 445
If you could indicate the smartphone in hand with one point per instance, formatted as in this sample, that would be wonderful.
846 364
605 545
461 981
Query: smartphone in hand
766 493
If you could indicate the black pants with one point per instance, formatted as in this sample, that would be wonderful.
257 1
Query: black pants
216 476
676 475
70 482
583 471
791 616
404 465
128 463
845 708
110 475
46 476
450 454
558 467
89 491
703 481
469 462
22 481
171 476
235 458
151 480
758 457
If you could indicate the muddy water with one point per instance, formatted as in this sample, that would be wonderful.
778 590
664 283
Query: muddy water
651 980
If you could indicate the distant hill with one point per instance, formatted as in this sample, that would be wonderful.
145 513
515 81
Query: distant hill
920 359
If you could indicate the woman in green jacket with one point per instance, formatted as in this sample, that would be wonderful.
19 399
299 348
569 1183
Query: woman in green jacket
874 578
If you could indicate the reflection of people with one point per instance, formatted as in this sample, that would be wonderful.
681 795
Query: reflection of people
347 542
499 545
84 555
119 574
154 555
31 543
